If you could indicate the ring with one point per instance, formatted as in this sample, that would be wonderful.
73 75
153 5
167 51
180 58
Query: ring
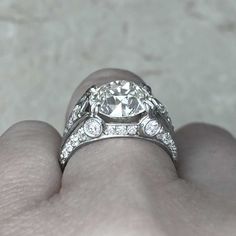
117 109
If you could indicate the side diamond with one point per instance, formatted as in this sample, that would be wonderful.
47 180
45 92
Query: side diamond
64 154
69 147
93 127
121 130
74 140
75 113
152 128
167 139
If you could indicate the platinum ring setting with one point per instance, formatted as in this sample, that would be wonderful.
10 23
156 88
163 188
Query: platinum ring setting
118 109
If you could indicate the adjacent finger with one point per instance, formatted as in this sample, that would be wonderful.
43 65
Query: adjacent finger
29 170
207 157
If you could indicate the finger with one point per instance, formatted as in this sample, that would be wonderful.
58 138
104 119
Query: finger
115 160
207 157
29 170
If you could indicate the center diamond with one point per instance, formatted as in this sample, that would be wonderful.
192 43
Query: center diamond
120 99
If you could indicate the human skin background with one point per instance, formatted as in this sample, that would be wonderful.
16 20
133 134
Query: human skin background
117 186
184 49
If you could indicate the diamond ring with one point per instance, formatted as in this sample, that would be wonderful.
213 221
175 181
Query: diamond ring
117 109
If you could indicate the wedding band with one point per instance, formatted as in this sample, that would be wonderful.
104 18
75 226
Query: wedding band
118 109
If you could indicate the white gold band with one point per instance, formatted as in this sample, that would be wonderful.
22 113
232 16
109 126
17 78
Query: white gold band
114 110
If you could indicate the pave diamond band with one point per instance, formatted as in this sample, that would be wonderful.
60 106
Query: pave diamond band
117 109
83 135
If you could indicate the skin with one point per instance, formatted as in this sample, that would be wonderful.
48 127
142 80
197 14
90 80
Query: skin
117 186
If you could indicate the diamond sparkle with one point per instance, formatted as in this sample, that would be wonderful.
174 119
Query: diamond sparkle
120 99
132 129
93 127
110 130
152 128
121 130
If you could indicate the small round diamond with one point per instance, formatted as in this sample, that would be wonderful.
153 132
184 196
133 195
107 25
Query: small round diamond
121 130
70 122
74 140
152 128
75 113
132 130
81 135
110 130
93 127
69 147
66 131
162 108
63 161
64 153
166 138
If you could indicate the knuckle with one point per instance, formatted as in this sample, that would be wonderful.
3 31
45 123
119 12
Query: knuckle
205 129
27 127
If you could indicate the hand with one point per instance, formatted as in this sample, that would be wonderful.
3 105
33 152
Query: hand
117 186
